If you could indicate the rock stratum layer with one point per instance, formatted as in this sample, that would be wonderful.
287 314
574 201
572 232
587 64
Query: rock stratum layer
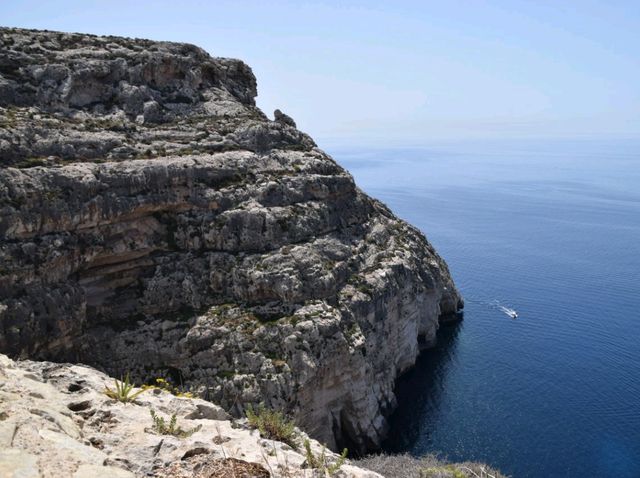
153 220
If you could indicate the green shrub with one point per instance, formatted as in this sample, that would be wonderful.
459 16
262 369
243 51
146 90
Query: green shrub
160 426
122 391
31 163
272 424
320 462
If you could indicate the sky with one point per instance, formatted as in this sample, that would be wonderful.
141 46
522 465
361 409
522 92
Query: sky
403 72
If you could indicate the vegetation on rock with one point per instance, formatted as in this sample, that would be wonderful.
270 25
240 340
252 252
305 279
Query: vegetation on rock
123 391
321 462
166 386
272 424
427 466
161 426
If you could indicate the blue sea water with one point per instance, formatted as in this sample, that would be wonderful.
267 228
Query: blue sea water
552 230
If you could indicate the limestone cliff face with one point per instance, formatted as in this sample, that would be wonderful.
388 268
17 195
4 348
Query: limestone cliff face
154 220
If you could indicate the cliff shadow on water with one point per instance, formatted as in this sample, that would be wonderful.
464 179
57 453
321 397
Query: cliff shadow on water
418 392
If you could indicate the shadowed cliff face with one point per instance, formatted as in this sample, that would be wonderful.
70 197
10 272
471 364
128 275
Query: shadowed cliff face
153 220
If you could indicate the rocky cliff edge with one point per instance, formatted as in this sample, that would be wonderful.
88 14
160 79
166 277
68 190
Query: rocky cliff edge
56 421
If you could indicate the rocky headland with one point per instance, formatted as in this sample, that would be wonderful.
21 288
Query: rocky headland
154 221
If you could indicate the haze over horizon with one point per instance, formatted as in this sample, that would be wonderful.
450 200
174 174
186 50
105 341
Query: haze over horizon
390 73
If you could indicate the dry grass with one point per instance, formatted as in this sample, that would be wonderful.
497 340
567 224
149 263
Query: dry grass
428 466
203 466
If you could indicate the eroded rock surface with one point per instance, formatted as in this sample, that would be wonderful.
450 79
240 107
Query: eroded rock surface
153 220
55 421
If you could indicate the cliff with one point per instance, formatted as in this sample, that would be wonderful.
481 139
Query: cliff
153 220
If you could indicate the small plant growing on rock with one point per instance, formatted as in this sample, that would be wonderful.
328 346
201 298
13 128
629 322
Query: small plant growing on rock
163 428
123 391
272 424
163 384
320 462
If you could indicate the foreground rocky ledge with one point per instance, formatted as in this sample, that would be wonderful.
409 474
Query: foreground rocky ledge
154 221
55 421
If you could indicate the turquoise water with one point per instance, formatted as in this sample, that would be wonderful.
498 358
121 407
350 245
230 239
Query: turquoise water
552 231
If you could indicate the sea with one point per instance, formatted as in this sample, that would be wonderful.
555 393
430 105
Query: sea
548 230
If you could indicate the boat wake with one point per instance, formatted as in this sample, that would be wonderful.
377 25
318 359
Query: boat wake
508 311
494 304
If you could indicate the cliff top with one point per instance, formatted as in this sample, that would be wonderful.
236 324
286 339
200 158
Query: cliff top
68 97
103 74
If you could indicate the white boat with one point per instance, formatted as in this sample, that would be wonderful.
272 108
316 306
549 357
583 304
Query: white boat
510 312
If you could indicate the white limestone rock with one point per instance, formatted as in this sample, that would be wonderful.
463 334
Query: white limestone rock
55 420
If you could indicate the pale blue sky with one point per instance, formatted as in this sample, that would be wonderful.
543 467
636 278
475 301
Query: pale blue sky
403 71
